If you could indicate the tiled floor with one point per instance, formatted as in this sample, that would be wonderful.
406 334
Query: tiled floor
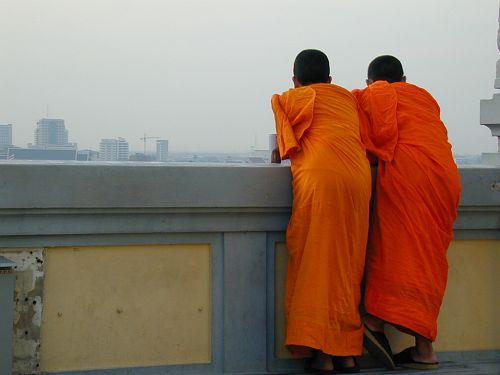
474 363
447 368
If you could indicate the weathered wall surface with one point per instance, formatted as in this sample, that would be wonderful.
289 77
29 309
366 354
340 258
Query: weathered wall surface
471 296
126 306
28 304
92 243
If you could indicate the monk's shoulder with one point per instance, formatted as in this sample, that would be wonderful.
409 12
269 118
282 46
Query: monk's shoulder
283 99
340 93
360 94
294 101
357 92
412 89
341 90
277 101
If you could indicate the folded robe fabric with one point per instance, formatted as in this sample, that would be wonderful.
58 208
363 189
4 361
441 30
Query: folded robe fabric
318 129
417 195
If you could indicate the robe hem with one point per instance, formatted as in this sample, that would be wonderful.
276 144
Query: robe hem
419 329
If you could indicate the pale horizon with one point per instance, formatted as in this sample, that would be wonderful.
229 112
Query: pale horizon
201 73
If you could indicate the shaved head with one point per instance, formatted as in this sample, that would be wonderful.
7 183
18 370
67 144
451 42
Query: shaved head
386 68
311 66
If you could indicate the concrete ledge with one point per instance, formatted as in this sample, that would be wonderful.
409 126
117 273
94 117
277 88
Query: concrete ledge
71 198
478 186
240 210
141 185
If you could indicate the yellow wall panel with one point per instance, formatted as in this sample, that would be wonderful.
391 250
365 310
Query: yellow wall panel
126 306
471 307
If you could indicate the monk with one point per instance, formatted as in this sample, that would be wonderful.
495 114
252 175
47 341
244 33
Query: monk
417 195
318 130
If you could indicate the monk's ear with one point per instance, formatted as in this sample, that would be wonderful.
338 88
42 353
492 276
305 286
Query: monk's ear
329 80
403 79
296 82
369 81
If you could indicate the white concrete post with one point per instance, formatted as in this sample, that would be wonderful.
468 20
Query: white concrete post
497 80
490 113
7 284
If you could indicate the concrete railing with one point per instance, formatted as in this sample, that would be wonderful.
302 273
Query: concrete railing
155 268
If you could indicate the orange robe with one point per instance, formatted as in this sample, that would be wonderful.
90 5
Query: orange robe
417 194
318 129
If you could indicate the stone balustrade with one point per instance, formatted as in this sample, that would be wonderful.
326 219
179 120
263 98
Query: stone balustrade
133 268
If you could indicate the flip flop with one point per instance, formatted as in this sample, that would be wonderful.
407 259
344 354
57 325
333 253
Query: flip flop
308 369
377 345
341 369
405 359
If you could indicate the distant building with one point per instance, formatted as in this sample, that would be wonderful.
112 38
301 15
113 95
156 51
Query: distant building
51 143
5 140
256 160
5 135
113 149
139 156
466 159
162 150
87 155
18 153
51 132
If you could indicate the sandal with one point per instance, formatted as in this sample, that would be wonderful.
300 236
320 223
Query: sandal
377 345
308 369
341 369
405 359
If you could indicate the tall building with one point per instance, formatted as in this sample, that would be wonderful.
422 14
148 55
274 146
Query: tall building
5 140
51 132
5 136
42 153
162 150
113 149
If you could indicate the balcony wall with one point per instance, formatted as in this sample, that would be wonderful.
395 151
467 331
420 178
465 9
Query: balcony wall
170 268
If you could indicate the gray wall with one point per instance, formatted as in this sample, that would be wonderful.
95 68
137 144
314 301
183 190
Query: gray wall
54 199
241 210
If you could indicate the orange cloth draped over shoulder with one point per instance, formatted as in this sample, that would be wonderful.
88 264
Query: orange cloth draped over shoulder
318 129
417 194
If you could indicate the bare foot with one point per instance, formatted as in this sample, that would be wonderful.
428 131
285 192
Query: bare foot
374 323
425 359
322 361
344 362
347 362
423 351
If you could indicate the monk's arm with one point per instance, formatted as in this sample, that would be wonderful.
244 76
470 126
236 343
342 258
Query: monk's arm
275 156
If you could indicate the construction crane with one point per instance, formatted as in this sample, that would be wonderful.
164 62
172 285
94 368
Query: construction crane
145 138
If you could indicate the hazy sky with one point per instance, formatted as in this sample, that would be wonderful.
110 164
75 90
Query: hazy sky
201 73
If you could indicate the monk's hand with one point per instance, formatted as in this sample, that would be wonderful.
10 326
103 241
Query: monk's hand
275 156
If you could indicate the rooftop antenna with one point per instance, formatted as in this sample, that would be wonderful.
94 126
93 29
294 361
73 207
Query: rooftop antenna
47 110
145 138
254 147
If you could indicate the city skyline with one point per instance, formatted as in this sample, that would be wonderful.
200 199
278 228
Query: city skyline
160 151
58 135
201 74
